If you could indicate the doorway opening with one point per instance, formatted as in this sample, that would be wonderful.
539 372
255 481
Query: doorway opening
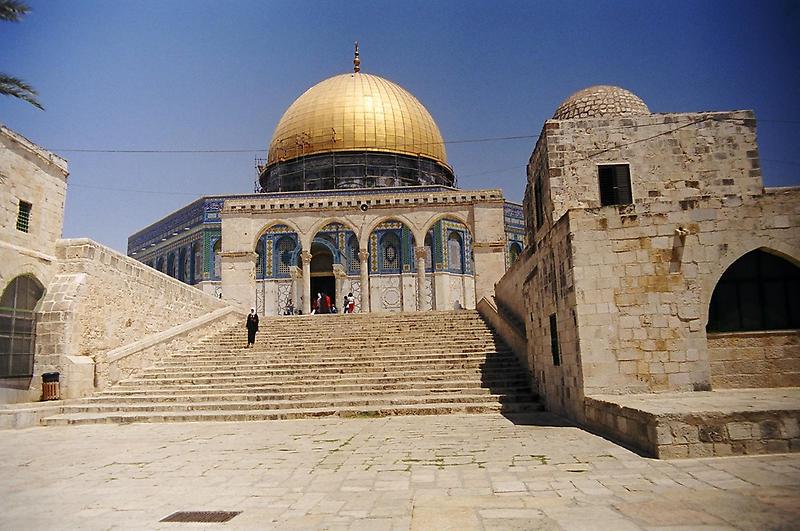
322 279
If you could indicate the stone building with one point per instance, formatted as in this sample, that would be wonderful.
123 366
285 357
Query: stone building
657 260
67 304
355 195
33 184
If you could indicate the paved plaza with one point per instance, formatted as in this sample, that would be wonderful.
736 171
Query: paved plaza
429 472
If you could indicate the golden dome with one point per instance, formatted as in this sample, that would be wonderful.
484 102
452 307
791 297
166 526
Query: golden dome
601 100
356 112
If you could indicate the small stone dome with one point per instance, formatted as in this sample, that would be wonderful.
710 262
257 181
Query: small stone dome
601 100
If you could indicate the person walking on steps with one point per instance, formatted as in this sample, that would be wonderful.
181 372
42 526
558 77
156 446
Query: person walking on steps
252 327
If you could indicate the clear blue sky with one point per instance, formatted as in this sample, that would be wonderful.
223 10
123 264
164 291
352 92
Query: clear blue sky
200 74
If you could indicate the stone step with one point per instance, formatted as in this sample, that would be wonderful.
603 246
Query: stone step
336 401
214 395
292 376
265 344
240 368
276 359
323 368
311 366
285 414
259 387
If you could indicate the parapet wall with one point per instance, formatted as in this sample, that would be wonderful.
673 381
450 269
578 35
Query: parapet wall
100 300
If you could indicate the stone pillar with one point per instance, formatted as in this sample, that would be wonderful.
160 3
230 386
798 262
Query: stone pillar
305 256
297 291
340 274
364 257
419 254
239 278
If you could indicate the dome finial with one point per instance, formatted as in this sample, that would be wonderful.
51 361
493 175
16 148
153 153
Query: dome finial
356 61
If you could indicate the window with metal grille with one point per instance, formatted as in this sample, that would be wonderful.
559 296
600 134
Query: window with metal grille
760 291
554 350
18 326
353 260
260 265
390 245
24 216
615 184
284 248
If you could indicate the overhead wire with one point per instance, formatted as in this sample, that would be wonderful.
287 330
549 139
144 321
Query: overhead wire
463 141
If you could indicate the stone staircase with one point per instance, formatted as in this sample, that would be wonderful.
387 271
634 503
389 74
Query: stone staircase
358 365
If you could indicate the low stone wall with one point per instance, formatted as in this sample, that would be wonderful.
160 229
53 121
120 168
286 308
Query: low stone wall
508 292
100 300
700 424
121 363
754 359
509 332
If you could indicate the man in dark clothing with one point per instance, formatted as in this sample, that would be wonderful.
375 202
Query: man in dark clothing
252 327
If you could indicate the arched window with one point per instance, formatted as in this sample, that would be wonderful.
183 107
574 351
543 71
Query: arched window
390 251
513 252
353 260
260 258
284 250
192 263
18 326
160 264
171 265
455 252
198 267
760 291
429 251
181 271
217 249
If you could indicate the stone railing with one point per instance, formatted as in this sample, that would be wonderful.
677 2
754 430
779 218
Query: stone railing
100 300
121 363
508 331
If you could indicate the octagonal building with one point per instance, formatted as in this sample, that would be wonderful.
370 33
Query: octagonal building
355 195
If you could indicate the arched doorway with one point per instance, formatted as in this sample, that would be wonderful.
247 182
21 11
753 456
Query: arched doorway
18 326
322 279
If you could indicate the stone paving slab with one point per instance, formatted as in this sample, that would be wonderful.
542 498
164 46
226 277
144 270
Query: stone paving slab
429 472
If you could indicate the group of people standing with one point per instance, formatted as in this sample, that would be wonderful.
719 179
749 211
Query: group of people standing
322 304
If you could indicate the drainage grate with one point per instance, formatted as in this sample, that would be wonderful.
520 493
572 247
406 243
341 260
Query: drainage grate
201 516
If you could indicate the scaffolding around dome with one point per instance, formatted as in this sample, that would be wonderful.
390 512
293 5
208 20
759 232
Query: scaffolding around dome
351 169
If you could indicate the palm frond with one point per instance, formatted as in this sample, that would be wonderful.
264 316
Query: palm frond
12 86
13 10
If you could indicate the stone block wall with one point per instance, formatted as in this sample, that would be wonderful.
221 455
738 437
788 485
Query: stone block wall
549 290
754 359
31 174
100 300
508 290
631 284
675 159
643 289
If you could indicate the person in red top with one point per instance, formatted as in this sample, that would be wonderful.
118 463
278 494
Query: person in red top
325 304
